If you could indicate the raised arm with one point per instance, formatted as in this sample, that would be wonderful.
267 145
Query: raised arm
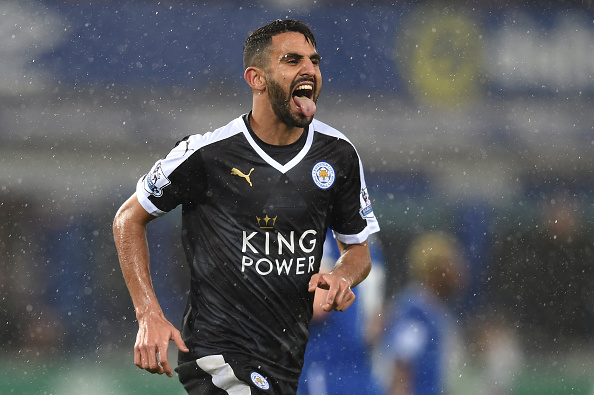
351 268
154 330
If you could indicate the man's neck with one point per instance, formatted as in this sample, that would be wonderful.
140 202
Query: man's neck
271 130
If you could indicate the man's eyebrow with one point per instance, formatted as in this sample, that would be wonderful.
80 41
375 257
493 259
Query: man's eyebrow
294 55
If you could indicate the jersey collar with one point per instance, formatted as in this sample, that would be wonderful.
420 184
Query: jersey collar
271 161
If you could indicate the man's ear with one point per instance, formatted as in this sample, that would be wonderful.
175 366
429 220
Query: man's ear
255 78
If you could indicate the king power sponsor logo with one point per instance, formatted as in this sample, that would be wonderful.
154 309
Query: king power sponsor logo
282 254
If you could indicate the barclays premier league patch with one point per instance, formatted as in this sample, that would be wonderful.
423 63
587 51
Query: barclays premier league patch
366 210
156 180
260 381
323 175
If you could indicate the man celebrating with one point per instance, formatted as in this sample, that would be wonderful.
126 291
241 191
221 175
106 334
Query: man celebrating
257 197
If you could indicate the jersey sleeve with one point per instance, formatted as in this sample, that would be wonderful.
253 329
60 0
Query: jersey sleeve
353 219
172 180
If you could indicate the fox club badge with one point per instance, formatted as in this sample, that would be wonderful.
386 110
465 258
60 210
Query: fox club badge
260 381
323 175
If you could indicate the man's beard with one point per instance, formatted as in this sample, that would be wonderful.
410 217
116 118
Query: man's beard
280 102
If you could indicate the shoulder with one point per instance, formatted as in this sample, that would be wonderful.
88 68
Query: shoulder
197 141
324 129
334 140
185 151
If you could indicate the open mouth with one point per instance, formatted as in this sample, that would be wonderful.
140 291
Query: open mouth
303 91
303 99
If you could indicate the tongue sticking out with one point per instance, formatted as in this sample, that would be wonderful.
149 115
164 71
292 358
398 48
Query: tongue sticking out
305 105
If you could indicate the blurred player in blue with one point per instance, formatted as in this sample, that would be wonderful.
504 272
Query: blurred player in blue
338 358
416 349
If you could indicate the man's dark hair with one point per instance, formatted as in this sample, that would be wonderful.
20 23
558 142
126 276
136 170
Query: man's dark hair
256 45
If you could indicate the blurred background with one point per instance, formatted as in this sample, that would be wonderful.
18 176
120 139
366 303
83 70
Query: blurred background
473 118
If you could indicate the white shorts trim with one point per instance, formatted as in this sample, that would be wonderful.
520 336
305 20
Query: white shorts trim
223 375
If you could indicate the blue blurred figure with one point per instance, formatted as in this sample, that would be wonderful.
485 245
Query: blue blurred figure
338 358
419 327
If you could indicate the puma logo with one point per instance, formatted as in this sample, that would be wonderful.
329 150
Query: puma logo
187 148
236 172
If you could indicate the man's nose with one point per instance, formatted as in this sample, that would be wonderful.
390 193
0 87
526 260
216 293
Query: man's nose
309 68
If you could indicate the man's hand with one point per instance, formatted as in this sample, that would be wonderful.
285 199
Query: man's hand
339 296
152 341
351 268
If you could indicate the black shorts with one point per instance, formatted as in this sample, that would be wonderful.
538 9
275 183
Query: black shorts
218 375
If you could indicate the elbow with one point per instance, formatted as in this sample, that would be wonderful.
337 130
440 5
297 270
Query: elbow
129 217
366 269
369 265
118 222
366 259
123 217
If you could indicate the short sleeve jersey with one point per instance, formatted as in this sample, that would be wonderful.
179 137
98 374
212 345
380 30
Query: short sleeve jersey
253 231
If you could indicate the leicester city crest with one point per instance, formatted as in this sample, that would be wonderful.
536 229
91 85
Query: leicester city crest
323 175
260 381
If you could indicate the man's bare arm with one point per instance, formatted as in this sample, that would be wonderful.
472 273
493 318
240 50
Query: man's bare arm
129 230
154 331
354 263
352 267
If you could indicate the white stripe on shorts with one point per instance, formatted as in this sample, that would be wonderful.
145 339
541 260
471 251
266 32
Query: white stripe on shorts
223 375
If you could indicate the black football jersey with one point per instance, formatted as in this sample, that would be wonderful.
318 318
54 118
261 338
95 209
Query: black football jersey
253 230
